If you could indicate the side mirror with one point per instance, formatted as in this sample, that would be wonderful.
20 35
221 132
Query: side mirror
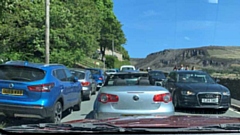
158 84
171 80
75 79
217 80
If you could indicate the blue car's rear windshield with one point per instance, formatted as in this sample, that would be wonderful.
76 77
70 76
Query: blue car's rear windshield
20 73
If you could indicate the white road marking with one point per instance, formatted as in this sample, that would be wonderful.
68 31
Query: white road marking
234 110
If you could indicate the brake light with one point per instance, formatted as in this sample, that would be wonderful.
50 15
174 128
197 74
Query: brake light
100 78
165 97
85 83
41 87
106 98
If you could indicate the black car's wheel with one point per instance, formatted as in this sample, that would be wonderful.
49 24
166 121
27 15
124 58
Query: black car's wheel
175 101
57 113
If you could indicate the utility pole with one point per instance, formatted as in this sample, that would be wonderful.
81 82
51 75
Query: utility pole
113 47
47 12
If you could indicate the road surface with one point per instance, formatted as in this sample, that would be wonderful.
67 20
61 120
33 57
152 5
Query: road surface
87 107
86 110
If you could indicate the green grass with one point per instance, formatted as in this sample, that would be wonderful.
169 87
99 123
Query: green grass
88 62
226 53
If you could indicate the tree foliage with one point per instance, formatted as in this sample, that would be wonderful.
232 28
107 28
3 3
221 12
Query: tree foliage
77 29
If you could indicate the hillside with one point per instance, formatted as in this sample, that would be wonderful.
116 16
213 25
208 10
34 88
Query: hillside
207 56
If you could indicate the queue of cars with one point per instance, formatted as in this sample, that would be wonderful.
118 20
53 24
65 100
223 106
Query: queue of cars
38 90
123 95
45 91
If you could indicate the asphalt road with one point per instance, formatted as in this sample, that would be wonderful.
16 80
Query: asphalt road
87 107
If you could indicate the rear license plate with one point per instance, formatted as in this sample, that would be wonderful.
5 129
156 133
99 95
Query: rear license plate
12 92
212 100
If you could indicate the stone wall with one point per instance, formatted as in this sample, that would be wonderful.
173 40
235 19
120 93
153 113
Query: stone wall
233 85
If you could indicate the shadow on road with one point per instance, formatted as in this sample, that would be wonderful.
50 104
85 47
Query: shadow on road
5 121
17 121
90 115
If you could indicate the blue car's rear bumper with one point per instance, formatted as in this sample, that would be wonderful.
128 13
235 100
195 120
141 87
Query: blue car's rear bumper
35 111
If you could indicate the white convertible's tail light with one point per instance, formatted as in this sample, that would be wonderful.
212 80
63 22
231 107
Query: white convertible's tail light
165 97
106 98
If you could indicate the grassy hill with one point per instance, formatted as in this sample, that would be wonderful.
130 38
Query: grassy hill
221 58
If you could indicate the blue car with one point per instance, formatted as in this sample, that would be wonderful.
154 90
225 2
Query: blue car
42 91
98 75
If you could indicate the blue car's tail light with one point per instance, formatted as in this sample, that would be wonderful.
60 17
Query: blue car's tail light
41 87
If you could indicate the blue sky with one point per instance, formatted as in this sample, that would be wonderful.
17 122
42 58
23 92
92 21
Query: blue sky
154 25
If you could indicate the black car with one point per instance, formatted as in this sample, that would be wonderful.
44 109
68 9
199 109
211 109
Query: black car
156 77
197 89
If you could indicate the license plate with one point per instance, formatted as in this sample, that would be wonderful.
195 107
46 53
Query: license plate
12 92
212 100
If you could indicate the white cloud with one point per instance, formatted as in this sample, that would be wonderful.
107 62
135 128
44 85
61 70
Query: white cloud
150 13
213 1
186 38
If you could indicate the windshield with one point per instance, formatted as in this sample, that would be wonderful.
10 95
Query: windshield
157 74
130 58
194 78
111 71
125 79
127 68
95 71
20 73
78 74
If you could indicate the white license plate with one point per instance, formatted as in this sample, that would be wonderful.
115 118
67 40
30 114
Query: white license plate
213 100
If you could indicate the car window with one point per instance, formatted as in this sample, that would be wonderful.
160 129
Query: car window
127 68
69 75
79 75
172 76
60 74
20 73
95 71
194 77
158 74
125 79
112 71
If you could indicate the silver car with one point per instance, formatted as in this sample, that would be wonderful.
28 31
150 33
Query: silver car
89 85
130 94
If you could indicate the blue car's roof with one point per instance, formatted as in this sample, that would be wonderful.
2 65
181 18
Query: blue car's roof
30 64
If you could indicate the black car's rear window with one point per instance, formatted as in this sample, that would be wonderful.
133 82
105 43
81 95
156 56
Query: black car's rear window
20 73
157 74
79 75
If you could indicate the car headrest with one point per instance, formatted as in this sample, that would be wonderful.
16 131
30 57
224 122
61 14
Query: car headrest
119 82
144 82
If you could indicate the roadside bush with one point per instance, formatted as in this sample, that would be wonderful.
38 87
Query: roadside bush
113 62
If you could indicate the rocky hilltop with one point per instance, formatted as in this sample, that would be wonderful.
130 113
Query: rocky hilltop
207 56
